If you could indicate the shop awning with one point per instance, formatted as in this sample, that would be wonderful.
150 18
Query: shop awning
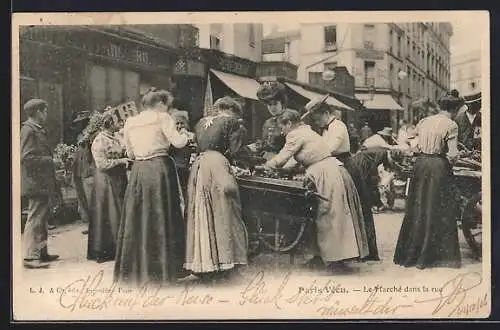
380 102
311 95
244 87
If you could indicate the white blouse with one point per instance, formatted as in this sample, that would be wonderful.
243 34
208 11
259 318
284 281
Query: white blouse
150 133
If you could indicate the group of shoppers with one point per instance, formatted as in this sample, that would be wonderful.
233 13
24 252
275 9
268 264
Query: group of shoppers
170 217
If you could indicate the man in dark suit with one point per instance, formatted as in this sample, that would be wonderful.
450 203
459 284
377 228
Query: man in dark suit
38 184
469 123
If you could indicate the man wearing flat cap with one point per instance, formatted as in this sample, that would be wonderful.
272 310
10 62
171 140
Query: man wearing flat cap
469 123
274 96
38 184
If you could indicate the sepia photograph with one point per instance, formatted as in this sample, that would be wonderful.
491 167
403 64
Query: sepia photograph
251 165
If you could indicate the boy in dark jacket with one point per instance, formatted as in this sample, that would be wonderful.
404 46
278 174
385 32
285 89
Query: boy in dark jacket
38 184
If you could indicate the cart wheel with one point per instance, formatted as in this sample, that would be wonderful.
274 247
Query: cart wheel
472 226
254 247
281 244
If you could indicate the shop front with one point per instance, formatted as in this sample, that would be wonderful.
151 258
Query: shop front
229 75
381 111
85 69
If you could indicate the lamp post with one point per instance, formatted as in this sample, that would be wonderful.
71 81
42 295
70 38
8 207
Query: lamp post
402 76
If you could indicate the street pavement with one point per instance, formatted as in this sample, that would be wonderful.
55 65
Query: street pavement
69 242
270 286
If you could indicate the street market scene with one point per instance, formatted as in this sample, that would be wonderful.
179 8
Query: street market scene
207 155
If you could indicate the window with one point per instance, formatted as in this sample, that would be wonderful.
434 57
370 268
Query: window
251 35
399 46
112 86
330 38
391 49
391 75
369 73
329 66
369 36
214 42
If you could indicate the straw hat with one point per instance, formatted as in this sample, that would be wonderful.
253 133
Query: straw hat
387 131
314 105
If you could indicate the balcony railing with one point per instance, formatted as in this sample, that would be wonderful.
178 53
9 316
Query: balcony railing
330 46
369 81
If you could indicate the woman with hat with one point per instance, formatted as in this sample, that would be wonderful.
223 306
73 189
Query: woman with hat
274 96
110 181
217 239
336 138
334 131
428 236
181 156
339 223
381 139
469 123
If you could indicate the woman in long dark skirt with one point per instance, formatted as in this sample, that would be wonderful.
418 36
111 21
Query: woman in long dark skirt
151 238
364 165
110 181
429 236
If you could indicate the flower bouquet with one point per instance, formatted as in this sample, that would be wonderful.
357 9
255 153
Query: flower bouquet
63 159
94 125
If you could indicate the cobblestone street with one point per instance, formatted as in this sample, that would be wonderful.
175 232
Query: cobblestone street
69 242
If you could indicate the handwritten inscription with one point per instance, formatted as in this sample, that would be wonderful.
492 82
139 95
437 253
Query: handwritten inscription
373 305
456 297
89 294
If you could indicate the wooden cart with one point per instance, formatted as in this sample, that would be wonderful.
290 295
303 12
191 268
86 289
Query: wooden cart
278 213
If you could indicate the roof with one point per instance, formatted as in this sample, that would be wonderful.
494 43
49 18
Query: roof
292 34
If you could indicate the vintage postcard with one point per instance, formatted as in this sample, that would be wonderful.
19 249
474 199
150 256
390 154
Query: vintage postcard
251 165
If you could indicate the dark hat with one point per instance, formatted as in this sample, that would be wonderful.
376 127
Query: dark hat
34 104
271 91
82 115
450 102
313 105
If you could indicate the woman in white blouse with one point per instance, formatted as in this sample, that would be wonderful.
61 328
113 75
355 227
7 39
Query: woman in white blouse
151 238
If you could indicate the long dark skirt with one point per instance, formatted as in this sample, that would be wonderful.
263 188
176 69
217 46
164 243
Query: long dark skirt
361 177
107 197
429 235
151 238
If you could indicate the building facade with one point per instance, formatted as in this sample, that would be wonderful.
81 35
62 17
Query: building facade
239 39
281 46
77 68
377 55
466 73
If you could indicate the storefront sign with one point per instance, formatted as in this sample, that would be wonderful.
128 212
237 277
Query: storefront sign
368 54
94 43
229 63
121 112
277 69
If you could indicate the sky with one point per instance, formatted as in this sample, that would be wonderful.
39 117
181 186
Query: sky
465 37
